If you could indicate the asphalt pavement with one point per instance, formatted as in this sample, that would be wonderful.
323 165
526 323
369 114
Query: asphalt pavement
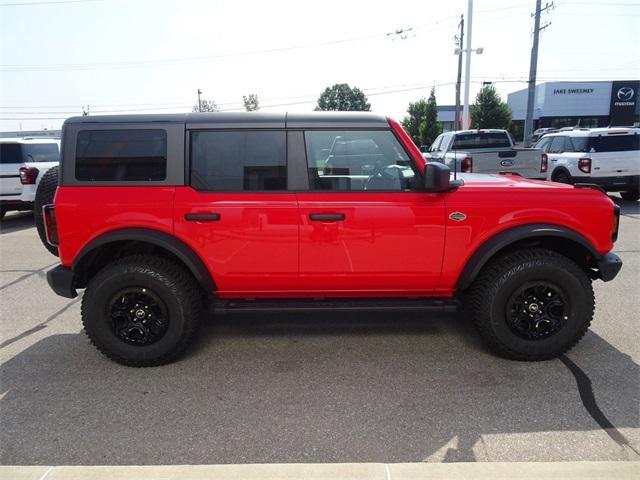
311 388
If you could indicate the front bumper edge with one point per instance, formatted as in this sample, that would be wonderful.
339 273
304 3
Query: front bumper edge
609 266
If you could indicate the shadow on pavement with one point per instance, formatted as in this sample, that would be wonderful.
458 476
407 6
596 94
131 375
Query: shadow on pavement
313 388
14 222
627 207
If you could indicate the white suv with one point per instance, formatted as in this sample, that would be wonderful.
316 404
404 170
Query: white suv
23 162
608 157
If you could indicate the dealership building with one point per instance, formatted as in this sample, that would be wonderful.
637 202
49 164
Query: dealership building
586 104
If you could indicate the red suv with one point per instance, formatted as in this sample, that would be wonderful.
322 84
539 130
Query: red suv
161 218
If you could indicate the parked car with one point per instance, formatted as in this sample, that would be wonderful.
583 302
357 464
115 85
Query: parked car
163 217
608 157
540 132
23 161
486 151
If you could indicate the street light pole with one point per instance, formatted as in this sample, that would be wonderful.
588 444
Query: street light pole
460 50
467 73
199 100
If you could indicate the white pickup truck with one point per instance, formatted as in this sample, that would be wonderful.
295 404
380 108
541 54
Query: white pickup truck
486 151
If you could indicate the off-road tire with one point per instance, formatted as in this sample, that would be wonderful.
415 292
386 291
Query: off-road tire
170 281
562 177
630 196
501 277
44 196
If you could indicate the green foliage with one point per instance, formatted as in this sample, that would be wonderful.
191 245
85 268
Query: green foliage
251 103
206 106
489 111
342 97
422 122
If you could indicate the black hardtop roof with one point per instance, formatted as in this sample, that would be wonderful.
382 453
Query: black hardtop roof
245 119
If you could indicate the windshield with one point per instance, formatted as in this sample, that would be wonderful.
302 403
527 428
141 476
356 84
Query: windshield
470 141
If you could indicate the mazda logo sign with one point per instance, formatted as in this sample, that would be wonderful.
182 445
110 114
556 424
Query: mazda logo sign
625 94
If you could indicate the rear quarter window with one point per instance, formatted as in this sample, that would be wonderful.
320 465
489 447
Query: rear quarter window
613 143
121 155
10 153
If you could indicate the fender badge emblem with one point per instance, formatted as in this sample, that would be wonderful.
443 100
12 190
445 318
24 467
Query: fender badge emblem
457 216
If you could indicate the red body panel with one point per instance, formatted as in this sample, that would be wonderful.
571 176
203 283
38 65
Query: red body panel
254 245
85 213
390 242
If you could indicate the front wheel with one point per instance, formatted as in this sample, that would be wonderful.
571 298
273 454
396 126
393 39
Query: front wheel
532 304
142 310
562 177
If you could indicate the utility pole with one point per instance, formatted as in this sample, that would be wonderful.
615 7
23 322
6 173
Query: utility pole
467 73
459 43
533 68
199 100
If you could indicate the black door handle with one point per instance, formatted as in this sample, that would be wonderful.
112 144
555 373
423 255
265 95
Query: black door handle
202 217
326 217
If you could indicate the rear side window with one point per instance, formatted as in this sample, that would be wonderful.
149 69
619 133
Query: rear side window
469 141
614 143
238 160
29 152
121 155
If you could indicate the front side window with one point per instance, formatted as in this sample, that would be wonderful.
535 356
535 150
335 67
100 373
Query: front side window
121 155
557 145
357 160
544 144
238 160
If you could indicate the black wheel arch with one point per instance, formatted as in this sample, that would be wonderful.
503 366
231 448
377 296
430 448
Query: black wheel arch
559 170
115 244
553 237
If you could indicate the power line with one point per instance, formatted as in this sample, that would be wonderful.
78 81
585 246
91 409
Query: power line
53 2
198 59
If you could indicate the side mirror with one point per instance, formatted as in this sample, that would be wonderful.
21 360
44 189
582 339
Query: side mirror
436 178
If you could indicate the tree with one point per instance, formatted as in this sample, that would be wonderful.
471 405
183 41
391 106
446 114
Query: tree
251 103
342 97
422 122
489 111
417 114
429 127
206 106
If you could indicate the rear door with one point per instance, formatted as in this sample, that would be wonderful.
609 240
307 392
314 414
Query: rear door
615 154
10 163
367 229
237 213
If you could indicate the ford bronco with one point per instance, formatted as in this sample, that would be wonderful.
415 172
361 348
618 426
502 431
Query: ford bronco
163 218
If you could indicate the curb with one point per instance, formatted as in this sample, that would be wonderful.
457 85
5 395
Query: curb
341 471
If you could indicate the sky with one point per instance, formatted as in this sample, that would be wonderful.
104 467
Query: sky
151 56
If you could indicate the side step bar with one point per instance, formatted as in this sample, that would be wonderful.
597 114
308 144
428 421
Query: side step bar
334 305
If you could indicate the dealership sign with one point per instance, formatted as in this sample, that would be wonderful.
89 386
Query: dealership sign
624 96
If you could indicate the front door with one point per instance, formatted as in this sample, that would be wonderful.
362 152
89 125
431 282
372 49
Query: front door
364 226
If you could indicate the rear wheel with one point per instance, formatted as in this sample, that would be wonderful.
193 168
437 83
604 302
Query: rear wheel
532 304
142 310
562 177
44 196
631 195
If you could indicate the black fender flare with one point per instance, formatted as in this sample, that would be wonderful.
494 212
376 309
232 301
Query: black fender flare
160 239
515 234
561 169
